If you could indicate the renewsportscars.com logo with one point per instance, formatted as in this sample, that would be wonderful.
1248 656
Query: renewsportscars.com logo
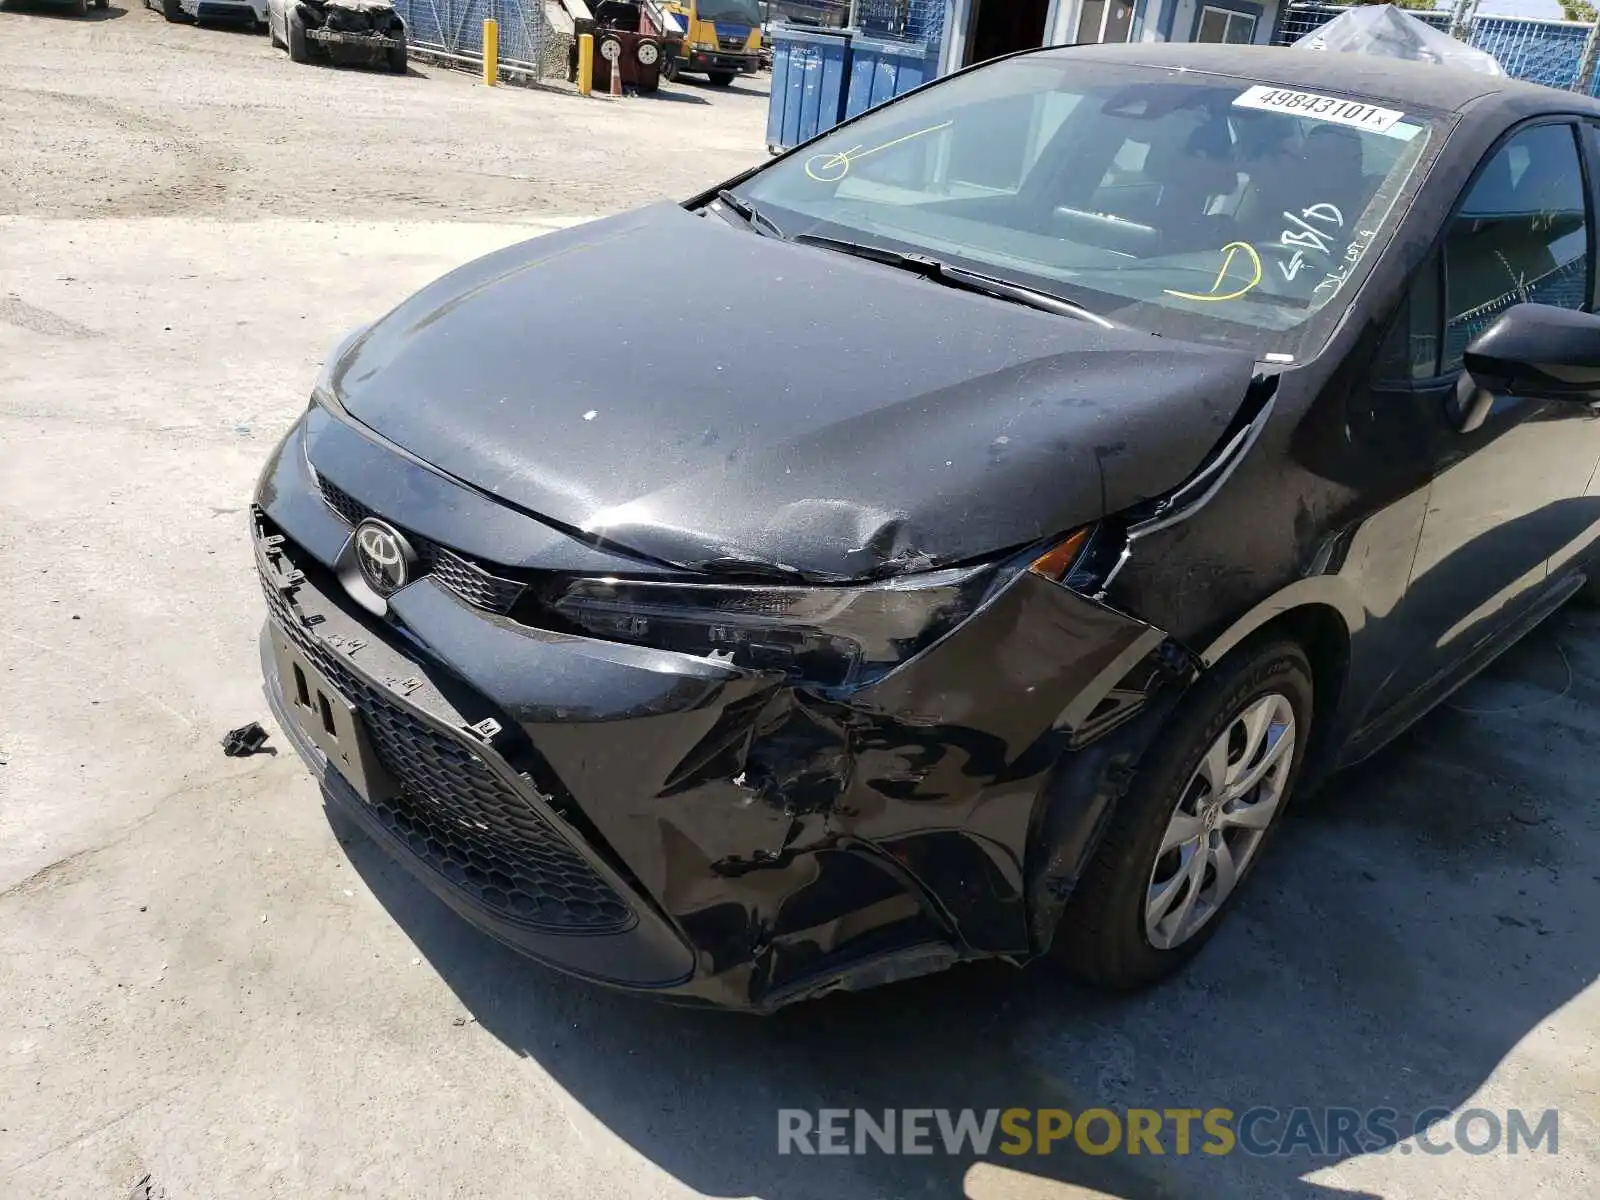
1259 1132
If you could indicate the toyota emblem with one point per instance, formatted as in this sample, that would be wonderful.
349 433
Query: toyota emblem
385 557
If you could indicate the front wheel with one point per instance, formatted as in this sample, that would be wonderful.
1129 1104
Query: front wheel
298 51
1194 820
720 78
171 11
397 58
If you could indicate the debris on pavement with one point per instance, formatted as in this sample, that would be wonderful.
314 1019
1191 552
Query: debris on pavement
245 740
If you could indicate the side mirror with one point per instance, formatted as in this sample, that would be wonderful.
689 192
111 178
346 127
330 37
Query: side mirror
1534 350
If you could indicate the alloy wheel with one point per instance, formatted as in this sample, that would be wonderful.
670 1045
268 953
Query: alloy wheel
1221 816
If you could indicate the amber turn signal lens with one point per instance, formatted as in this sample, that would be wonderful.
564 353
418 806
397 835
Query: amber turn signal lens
1055 562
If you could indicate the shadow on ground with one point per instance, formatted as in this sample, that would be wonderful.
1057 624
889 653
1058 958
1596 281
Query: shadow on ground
675 93
1412 925
758 86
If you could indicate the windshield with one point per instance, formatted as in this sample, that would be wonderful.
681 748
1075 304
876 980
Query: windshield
731 12
1186 204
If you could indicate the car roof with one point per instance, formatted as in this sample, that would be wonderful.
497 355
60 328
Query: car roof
1426 85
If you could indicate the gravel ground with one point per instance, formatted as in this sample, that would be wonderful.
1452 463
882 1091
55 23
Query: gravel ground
123 115
201 984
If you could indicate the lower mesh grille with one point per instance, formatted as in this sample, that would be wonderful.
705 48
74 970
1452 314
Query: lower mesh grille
462 819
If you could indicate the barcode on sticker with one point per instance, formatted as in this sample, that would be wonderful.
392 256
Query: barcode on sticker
1355 113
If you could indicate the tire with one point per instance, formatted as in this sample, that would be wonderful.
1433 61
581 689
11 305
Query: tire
1105 937
297 38
102 5
79 8
171 11
720 78
397 58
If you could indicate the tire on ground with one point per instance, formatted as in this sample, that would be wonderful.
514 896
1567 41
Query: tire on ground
298 49
720 78
397 57
1101 938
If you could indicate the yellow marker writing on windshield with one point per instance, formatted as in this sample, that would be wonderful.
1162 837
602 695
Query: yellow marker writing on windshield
830 168
1230 252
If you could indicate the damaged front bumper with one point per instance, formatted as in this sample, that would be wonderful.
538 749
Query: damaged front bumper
226 10
678 824
375 43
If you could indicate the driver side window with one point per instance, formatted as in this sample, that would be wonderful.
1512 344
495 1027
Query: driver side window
1520 235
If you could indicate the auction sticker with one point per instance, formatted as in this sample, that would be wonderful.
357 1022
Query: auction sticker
1355 113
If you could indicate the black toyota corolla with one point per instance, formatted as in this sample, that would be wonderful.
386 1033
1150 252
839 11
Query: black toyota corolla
958 537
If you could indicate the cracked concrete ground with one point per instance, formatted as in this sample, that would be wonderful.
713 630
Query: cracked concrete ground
200 983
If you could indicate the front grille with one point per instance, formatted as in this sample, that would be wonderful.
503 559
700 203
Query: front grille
732 43
461 818
470 581
342 502
460 574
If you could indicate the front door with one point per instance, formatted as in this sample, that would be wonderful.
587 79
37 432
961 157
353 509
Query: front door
1506 496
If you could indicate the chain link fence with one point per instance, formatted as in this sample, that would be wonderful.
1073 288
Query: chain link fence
453 29
1558 54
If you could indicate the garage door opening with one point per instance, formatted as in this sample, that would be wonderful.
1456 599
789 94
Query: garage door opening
1001 26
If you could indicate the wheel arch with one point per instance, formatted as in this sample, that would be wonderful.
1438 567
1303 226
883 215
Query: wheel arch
1316 614
1321 617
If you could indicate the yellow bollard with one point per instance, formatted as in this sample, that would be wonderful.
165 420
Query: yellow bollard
585 63
491 52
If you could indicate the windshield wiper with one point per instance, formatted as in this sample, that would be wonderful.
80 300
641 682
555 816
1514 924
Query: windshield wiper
959 277
753 217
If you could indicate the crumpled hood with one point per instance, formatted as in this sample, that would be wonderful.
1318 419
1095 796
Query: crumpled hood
694 392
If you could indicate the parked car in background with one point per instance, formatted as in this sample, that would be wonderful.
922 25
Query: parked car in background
345 32
1141 433
254 11
80 8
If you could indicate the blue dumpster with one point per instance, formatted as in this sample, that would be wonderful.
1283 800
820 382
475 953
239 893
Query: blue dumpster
881 68
810 70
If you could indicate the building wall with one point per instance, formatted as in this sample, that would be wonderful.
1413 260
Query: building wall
1174 20
1153 21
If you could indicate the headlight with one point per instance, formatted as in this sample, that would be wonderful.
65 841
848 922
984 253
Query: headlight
706 46
829 636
